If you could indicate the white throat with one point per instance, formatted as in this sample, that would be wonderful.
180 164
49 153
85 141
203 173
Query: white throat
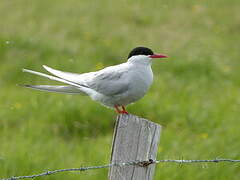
140 60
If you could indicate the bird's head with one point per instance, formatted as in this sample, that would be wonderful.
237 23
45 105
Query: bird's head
143 55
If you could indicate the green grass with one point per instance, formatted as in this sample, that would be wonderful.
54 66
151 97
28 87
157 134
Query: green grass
195 95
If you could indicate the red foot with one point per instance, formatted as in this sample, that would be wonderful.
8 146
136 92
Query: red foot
124 110
119 111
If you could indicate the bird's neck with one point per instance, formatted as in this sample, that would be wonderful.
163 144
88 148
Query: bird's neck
140 60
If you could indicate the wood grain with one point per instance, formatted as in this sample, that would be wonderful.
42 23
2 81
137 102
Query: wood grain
134 138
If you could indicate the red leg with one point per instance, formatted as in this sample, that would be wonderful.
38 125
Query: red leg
124 110
117 109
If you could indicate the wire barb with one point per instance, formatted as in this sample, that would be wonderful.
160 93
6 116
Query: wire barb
145 163
121 164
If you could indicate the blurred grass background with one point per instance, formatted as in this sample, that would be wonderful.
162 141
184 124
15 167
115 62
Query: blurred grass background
195 95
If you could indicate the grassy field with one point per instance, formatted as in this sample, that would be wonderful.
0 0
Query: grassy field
195 95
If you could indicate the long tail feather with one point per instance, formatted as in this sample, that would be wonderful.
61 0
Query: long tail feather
73 77
55 88
52 78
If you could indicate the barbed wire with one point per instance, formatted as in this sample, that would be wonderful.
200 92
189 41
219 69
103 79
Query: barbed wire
121 164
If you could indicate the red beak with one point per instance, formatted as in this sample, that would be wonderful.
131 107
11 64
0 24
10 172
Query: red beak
158 56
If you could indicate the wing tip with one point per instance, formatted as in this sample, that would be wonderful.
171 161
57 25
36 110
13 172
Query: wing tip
45 67
24 70
23 85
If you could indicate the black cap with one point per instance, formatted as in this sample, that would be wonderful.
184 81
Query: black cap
140 51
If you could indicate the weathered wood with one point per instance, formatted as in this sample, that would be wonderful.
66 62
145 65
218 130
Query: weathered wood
134 139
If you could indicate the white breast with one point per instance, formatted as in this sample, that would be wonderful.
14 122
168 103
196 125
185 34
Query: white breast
139 79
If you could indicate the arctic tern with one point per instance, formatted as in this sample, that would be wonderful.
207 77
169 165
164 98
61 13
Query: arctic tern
114 86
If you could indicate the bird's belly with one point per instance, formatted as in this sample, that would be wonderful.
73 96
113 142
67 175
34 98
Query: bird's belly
139 82
137 89
119 100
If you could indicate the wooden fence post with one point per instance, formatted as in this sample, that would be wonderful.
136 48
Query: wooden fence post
134 139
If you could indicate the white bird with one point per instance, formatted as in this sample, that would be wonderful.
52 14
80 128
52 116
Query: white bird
114 86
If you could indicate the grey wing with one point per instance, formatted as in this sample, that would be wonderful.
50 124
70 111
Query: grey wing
110 81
